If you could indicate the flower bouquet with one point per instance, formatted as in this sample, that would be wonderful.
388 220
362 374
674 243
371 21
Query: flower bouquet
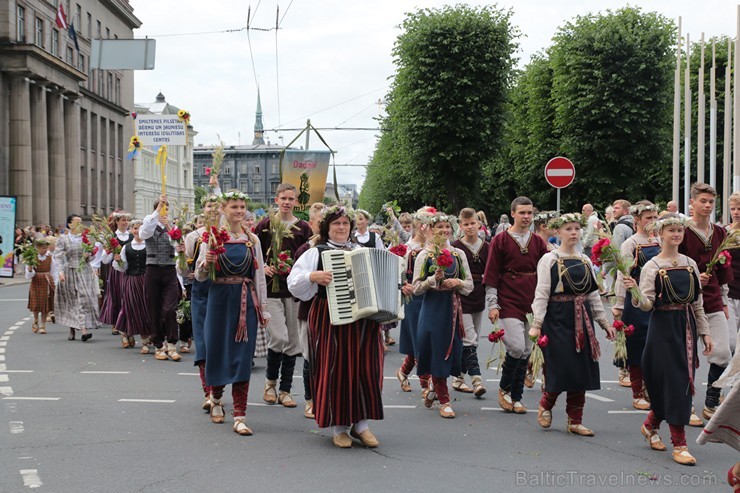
279 231
537 358
88 247
440 256
218 158
604 252
106 236
496 338
722 256
183 311
176 234
184 116
30 255
215 239
620 342
285 263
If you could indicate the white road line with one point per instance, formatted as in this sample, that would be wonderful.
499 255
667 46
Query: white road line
2 357
3 368
629 412
598 397
491 409
155 401
493 379
16 427
3 343
4 378
258 404
7 335
5 338
14 299
15 371
398 407
31 478
27 318
190 374
21 322
2 350
6 391
106 372
15 398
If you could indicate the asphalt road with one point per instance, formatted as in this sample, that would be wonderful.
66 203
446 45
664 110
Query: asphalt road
65 428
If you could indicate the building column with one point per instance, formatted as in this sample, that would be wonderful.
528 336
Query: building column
4 135
20 149
39 155
72 154
57 166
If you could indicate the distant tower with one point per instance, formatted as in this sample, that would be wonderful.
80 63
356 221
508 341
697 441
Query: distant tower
259 130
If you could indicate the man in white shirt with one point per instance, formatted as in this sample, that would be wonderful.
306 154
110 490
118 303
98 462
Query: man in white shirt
588 237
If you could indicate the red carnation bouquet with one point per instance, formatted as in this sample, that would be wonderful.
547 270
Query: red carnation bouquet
284 263
88 247
176 240
620 341
537 358
215 239
399 250
496 337
604 252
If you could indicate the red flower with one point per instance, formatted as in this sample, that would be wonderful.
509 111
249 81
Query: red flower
542 341
399 250
95 251
724 259
175 234
431 210
629 330
496 335
208 171
445 259
597 250
618 324
114 243
133 115
283 256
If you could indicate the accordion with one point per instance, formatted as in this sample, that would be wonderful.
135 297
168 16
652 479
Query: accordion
366 283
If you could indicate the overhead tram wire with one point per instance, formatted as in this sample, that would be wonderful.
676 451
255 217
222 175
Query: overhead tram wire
277 64
327 108
249 42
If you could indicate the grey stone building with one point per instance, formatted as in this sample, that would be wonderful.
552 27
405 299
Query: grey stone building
253 169
64 129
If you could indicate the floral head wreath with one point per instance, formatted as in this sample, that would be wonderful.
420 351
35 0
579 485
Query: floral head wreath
545 216
117 215
638 209
442 217
425 214
42 242
338 210
210 198
658 225
364 213
136 223
571 217
234 195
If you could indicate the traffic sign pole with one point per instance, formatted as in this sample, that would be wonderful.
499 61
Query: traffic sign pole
557 201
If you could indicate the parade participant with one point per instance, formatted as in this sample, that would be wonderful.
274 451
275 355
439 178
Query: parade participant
410 322
623 227
566 305
113 294
510 279
44 277
474 304
315 214
346 361
670 288
361 234
733 306
237 303
162 286
133 318
641 247
503 225
484 233
210 206
700 243
76 302
249 222
440 325
284 345
589 232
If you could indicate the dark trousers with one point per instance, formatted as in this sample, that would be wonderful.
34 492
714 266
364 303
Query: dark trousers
163 293
186 329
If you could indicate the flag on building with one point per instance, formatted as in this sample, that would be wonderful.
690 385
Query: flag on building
61 17
73 36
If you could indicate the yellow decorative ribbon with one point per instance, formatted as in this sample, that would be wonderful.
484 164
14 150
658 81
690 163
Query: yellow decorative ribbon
161 160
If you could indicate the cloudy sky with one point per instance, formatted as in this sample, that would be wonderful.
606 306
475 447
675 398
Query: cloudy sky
330 61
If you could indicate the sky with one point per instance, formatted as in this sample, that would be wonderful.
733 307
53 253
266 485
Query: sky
330 61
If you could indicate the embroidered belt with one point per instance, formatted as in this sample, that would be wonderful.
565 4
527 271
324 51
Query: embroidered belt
247 287
689 309
457 321
514 274
581 318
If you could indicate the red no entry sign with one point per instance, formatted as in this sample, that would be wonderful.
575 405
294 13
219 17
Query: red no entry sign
560 172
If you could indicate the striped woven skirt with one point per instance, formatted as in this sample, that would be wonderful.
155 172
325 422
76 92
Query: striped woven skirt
346 368
41 293
133 318
112 297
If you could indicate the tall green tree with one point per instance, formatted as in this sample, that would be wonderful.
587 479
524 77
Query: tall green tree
612 93
445 107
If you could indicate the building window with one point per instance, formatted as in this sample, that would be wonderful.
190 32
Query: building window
118 90
55 42
257 170
89 25
227 184
81 62
274 166
78 16
20 24
100 83
242 168
110 86
107 33
257 187
273 187
97 32
70 55
39 33
227 169
243 184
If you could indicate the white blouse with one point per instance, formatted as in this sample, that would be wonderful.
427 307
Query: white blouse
122 266
299 282
365 237
107 258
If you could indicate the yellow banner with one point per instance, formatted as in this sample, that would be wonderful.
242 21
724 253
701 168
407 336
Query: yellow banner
306 170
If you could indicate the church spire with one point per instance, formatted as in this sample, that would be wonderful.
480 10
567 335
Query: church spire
259 129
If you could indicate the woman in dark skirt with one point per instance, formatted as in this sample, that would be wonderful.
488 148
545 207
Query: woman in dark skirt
440 326
133 317
566 305
641 247
410 322
113 291
670 287
346 362
237 302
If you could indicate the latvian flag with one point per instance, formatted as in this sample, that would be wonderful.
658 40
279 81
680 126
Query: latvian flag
61 17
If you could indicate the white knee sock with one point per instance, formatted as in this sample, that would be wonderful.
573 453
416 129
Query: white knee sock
361 426
338 430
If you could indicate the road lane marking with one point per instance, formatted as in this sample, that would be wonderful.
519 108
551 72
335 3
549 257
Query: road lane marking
190 374
16 371
106 372
598 397
3 343
16 398
16 427
398 407
491 409
2 350
31 478
6 391
2 367
4 378
5 338
155 401
14 299
629 412
20 323
7 335
2 357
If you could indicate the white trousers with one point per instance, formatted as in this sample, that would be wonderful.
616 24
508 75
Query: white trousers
733 323
282 327
472 323
720 354
516 337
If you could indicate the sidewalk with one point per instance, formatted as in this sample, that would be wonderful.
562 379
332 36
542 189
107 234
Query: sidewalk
15 280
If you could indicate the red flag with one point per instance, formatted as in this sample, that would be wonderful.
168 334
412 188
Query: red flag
61 17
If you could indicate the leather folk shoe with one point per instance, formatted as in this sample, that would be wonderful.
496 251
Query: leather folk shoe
342 440
653 439
581 430
286 399
217 411
641 404
270 396
695 420
458 383
446 411
241 428
544 417
366 438
478 388
682 456
404 379
519 408
504 400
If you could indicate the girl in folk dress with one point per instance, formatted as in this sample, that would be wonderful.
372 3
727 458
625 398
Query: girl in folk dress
43 280
77 291
133 318
566 305
346 361
113 294
670 287
440 326
237 302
